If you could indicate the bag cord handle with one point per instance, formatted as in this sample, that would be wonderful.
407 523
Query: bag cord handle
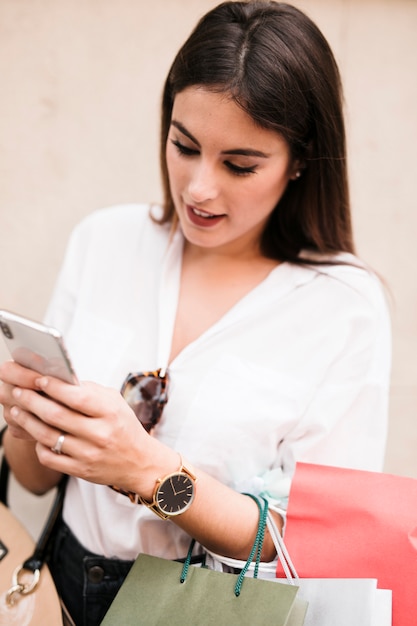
256 548
282 552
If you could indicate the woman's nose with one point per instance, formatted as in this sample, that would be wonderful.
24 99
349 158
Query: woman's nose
203 184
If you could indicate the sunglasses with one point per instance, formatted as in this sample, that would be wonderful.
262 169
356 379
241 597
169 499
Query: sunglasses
146 394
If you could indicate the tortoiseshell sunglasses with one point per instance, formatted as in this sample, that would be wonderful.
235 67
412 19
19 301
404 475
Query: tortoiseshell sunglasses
146 394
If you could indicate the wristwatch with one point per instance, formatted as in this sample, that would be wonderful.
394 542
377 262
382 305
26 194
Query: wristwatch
173 494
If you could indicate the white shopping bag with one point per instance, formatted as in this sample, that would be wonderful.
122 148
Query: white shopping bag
344 602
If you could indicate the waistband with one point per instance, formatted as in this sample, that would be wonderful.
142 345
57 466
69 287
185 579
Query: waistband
96 566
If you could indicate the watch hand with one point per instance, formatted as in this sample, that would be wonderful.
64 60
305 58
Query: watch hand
173 488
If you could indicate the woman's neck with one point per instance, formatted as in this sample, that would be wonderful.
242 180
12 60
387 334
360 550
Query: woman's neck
211 284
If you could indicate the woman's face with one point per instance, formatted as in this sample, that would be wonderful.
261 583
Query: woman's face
226 174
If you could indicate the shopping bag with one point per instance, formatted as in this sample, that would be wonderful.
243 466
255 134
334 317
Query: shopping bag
331 601
341 601
345 602
344 523
152 595
157 592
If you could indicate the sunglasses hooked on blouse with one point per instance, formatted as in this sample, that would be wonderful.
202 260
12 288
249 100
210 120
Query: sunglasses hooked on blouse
146 394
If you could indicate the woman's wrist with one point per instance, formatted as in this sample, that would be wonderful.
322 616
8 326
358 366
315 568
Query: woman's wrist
160 461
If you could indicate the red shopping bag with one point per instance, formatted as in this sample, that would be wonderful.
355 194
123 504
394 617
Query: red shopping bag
344 523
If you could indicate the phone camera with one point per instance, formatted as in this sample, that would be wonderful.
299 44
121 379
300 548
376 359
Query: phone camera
6 330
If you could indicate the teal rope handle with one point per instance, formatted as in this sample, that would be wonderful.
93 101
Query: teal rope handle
257 545
256 548
187 562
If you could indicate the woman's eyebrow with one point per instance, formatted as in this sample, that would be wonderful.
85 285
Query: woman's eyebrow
247 152
185 132
235 151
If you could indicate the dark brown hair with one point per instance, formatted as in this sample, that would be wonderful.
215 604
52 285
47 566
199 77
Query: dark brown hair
276 64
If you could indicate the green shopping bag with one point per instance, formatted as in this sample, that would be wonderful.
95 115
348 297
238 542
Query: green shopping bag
157 592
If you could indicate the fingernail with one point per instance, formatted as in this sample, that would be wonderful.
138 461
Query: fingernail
42 383
16 392
14 411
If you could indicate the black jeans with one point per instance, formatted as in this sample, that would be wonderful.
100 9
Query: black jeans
86 582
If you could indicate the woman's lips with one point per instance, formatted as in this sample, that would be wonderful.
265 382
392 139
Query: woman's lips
202 218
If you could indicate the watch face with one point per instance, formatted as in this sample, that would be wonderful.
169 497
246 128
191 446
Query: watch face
175 494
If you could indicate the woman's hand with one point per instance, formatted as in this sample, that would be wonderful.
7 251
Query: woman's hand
103 440
12 374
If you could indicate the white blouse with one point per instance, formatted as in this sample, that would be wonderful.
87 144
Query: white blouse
298 370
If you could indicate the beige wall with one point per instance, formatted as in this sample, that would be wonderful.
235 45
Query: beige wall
80 87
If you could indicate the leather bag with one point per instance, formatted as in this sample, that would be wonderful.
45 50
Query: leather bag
27 592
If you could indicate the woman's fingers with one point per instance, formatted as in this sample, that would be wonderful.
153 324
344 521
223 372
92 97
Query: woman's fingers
8 402
14 374
45 418
77 407
58 449
87 398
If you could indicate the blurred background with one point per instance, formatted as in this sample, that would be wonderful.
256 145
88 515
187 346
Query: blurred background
79 127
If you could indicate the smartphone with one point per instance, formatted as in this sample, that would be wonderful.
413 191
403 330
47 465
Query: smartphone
36 346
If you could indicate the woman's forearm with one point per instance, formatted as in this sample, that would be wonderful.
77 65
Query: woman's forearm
221 519
225 521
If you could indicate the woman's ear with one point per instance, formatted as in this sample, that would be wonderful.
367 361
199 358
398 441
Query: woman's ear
296 170
299 163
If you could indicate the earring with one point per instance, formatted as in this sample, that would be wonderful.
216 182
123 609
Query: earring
297 174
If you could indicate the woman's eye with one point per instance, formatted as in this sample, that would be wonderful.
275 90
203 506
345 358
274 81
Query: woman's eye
234 169
240 171
184 150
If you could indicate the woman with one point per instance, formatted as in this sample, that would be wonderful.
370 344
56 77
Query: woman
271 338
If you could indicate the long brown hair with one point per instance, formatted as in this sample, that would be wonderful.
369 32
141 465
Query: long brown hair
276 64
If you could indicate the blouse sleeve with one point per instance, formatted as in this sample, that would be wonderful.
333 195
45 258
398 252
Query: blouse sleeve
345 418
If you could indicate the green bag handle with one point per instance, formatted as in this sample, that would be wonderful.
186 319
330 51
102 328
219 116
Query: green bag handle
256 548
